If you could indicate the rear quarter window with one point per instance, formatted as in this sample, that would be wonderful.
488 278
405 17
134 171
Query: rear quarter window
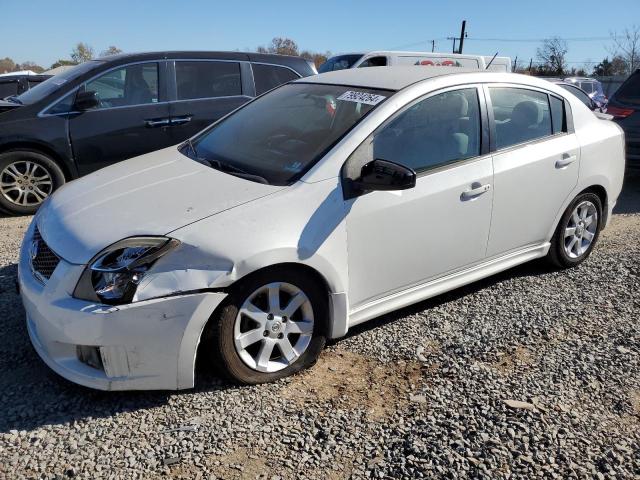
267 77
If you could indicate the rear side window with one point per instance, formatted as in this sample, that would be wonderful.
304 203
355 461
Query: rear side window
267 77
374 62
558 117
438 130
629 92
207 79
521 115
131 85
7 89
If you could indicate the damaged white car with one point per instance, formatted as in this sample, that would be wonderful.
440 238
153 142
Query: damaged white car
322 204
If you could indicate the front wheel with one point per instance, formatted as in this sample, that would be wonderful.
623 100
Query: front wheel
577 231
27 178
270 327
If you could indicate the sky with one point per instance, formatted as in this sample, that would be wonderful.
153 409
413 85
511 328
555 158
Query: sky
44 31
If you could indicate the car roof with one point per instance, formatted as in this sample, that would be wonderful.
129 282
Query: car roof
287 60
386 78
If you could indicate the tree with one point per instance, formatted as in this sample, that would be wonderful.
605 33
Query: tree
281 46
34 67
7 65
627 46
316 57
81 53
63 63
606 68
552 55
112 50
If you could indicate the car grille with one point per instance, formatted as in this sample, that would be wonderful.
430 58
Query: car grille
43 260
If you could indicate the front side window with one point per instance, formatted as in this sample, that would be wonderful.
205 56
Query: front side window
207 79
521 115
267 77
276 138
438 130
131 85
50 85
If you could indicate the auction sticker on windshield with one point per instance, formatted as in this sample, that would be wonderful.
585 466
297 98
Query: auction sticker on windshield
361 97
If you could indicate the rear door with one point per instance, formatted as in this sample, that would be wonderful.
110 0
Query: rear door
535 163
132 118
204 91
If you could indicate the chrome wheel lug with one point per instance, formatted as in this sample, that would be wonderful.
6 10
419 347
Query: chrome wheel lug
270 316
265 333
284 319
280 336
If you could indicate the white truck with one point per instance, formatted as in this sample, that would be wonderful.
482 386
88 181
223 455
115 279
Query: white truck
393 58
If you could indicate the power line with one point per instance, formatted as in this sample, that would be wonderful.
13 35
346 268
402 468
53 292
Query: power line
506 40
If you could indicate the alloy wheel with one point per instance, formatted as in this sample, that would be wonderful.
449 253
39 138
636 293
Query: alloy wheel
274 327
25 183
581 229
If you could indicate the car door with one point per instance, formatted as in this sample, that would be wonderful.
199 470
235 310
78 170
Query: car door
205 91
400 239
535 162
132 118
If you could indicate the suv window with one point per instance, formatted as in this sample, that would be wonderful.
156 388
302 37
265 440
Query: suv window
629 91
267 77
8 88
131 85
374 62
521 115
441 129
208 79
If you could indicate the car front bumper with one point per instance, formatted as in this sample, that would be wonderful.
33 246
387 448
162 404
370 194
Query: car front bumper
146 345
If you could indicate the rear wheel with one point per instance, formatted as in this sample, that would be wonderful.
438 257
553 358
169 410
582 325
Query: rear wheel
27 178
272 326
577 231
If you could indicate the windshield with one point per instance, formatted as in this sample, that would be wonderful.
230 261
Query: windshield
279 136
629 92
340 62
50 85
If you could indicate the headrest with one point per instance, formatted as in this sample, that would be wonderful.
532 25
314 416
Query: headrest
526 113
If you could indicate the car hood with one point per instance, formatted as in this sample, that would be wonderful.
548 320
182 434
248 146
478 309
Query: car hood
149 195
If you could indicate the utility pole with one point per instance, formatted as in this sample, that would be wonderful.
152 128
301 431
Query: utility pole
433 45
515 64
530 65
462 35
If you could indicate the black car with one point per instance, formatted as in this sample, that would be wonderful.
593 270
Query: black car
107 110
11 85
624 105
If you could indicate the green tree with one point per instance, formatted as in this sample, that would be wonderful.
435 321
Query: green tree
280 46
7 65
82 52
112 50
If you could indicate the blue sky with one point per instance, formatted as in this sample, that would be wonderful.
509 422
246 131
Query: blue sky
43 31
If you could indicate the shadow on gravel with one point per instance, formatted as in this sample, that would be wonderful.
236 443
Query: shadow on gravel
629 200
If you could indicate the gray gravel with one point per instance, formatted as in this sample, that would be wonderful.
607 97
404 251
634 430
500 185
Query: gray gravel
530 374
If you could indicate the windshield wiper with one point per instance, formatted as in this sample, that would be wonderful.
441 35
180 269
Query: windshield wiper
224 167
13 99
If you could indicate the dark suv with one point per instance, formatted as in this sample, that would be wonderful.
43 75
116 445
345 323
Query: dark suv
107 110
624 105
11 85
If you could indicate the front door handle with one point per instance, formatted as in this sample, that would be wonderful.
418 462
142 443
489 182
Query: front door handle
566 160
181 120
157 122
476 190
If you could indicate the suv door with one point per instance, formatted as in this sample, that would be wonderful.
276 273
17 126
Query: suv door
132 118
205 91
535 163
399 239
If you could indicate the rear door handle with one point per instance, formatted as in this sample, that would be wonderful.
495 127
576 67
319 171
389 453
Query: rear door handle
153 123
566 160
181 120
476 190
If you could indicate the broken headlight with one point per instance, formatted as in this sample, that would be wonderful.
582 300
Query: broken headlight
113 275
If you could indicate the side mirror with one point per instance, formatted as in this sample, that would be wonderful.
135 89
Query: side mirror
86 101
385 175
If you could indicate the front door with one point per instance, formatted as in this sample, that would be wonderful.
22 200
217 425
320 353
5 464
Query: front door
132 118
535 166
404 238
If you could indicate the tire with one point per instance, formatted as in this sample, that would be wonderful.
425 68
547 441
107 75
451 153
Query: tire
220 343
27 178
570 250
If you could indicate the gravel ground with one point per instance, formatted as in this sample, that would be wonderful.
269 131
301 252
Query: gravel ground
530 374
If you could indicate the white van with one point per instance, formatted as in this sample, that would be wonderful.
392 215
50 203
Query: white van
390 58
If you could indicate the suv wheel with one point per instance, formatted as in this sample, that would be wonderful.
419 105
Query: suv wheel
27 178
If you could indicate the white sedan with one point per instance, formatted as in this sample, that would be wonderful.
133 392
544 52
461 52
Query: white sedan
318 206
